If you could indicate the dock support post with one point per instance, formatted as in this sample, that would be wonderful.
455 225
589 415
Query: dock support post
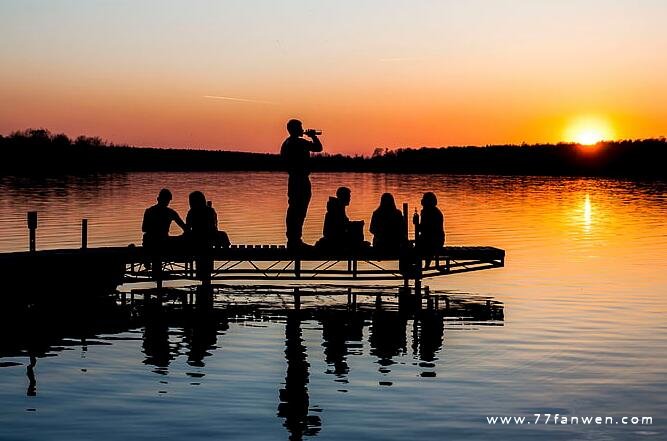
297 299
297 268
32 226
84 234
349 297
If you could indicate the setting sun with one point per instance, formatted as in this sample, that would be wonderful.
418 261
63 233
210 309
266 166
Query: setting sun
589 131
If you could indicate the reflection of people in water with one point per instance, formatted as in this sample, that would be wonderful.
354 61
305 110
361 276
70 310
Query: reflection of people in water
387 226
295 152
387 336
431 333
339 330
294 401
30 372
156 340
201 335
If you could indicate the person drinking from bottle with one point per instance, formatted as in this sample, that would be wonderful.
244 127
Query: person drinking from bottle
295 152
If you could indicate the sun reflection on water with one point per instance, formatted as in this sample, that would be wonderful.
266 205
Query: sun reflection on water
588 214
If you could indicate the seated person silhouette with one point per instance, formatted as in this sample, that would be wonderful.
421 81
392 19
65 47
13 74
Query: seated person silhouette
202 224
339 232
157 220
387 226
203 234
220 239
430 227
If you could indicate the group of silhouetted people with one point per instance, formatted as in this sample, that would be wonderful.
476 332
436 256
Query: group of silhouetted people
389 229
339 232
388 226
200 229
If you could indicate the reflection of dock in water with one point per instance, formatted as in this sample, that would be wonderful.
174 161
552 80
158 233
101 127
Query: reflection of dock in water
169 330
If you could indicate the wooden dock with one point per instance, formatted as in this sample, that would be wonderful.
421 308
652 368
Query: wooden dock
109 267
104 269
266 262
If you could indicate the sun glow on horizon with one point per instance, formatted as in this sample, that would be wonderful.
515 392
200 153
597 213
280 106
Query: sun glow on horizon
589 131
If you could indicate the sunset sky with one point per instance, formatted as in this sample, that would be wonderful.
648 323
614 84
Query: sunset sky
228 74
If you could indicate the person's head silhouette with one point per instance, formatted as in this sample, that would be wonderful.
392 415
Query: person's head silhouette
295 127
197 199
344 195
429 200
387 202
164 197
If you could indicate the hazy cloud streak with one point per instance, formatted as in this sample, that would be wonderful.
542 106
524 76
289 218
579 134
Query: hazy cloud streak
239 100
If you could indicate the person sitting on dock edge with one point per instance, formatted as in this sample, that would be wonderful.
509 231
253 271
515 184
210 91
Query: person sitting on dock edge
430 228
203 234
157 221
295 151
339 232
387 227
155 226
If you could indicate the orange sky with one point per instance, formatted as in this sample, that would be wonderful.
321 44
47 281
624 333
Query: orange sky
369 74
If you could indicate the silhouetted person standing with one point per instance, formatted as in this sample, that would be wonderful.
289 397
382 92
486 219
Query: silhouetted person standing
387 226
295 151
158 219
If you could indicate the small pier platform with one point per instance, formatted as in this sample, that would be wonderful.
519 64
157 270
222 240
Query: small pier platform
104 269
272 262
108 267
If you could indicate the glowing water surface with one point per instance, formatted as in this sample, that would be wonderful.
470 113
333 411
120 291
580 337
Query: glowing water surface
584 330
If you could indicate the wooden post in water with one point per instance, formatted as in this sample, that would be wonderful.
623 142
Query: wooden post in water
32 226
84 234
405 218
297 299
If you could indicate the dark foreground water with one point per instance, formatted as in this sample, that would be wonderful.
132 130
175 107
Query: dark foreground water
583 330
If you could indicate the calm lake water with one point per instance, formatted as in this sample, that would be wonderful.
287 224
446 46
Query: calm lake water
583 330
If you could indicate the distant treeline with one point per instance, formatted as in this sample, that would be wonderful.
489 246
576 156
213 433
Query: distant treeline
38 152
